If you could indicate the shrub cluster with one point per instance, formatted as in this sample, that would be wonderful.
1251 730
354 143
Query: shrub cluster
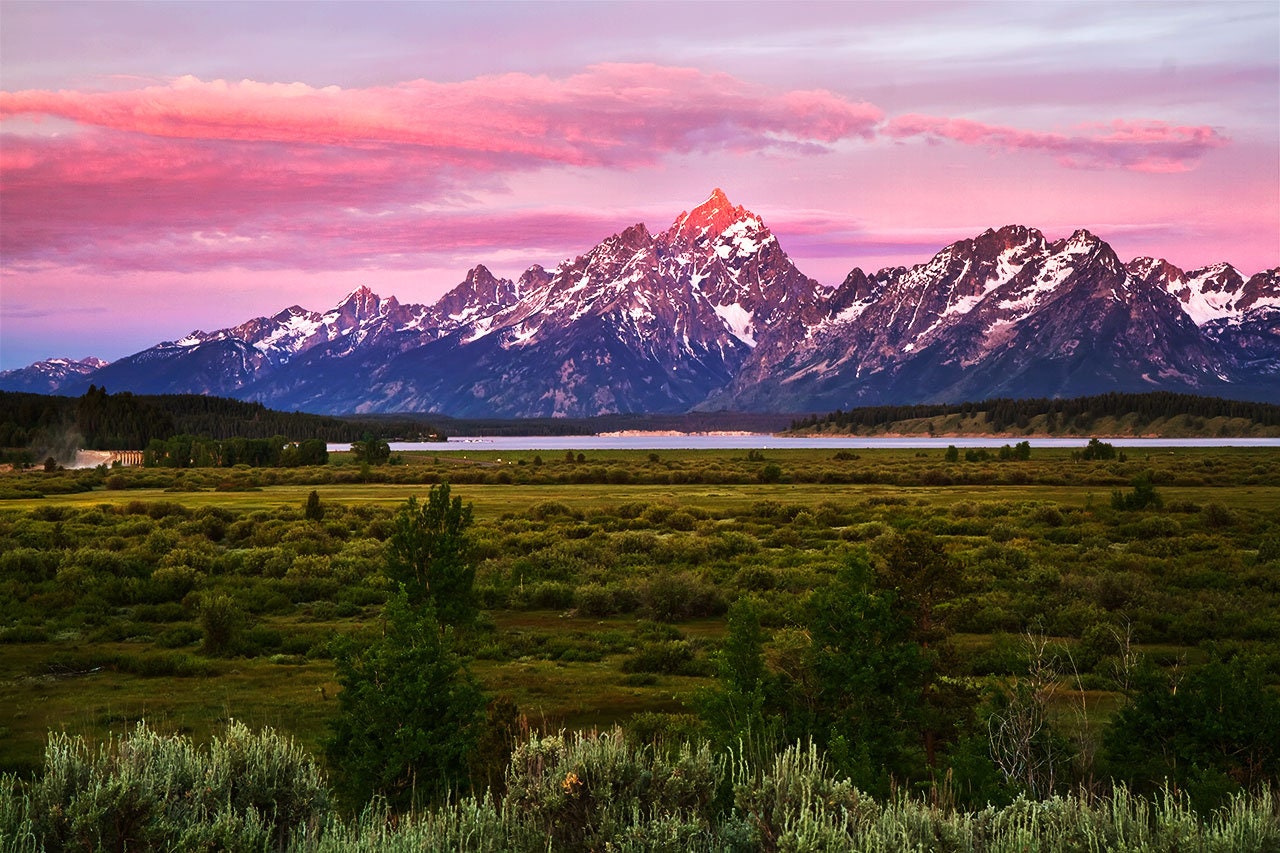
257 791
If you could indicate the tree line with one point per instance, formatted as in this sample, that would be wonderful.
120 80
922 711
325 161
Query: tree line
640 422
1062 414
190 451
99 420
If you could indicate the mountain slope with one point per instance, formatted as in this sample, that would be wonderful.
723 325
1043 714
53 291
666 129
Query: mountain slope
641 323
711 313
1007 314
46 377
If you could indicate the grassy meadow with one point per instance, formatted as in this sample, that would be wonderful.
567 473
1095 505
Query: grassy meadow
186 599
586 585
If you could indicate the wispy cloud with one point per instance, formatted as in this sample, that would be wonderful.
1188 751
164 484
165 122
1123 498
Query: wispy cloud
612 114
199 175
1141 146
195 174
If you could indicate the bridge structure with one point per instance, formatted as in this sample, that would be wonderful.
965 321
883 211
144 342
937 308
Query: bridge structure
110 458
127 458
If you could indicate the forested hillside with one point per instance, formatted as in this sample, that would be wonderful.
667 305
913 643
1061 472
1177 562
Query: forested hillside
1159 413
690 422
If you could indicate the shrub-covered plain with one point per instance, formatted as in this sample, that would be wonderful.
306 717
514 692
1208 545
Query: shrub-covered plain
257 791
970 648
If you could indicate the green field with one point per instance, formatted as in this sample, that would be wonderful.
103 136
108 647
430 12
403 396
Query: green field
584 566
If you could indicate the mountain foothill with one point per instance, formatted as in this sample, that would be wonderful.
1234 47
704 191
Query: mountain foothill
712 314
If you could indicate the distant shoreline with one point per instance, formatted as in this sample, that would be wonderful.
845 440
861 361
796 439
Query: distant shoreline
673 433
758 441
1020 436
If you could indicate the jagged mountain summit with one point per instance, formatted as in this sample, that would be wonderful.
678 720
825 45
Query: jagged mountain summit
711 313
46 377
1011 314
229 361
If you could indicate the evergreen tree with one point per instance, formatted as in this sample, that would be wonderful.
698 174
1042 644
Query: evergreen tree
314 510
870 676
408 715
923 577
428 554
737 710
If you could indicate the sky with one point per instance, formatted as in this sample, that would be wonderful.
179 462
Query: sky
172 166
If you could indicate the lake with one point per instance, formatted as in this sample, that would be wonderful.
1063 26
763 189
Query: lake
764 442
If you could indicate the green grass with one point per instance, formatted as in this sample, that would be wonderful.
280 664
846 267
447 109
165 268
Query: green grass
587 694
293 698
492 501
790 559
299 698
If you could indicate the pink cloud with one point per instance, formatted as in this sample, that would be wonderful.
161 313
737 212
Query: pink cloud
608 114
1140 146
200 175
195 173
116 202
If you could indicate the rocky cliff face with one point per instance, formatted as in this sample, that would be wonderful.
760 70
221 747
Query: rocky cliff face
642 322
1005 314
711 313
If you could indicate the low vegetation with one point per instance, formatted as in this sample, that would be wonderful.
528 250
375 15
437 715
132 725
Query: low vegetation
258 791
858 650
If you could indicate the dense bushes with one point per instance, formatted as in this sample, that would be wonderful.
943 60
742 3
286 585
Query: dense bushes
1047 466
591 611
1210 733
257 791
585 792
248 790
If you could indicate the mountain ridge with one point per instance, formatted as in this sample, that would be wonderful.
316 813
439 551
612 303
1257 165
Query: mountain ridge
711 313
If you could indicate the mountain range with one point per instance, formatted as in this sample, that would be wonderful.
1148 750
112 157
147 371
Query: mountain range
712 314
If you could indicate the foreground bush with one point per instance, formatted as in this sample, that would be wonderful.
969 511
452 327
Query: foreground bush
585 791
796 805
146 791
259 792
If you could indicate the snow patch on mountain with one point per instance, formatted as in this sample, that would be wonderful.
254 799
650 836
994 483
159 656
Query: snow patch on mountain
291 334
738 321
1211 293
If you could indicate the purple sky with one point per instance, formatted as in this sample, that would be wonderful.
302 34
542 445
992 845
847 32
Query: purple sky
179 165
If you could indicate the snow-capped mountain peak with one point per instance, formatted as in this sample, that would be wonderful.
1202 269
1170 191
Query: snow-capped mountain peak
1209 293
48 376
480 294
708 219
285 333
1081 242
712 313
360 306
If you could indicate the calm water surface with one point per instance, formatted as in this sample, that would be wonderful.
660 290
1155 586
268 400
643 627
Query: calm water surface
764 442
